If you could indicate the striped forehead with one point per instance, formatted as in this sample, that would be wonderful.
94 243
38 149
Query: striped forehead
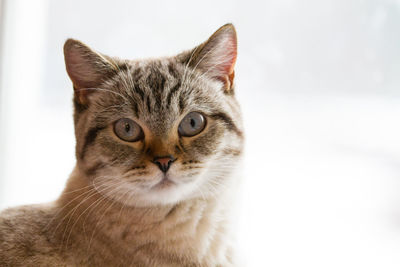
155 91
159 92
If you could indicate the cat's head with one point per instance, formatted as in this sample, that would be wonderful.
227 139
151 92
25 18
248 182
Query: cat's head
157 131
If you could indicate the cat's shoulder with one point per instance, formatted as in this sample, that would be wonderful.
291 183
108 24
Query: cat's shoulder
23 219
23 237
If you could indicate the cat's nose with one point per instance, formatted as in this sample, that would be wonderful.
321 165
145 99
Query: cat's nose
164 162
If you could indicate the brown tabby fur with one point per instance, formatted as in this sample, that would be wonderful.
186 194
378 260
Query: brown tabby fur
113 211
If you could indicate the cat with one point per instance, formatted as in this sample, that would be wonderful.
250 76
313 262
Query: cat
159 144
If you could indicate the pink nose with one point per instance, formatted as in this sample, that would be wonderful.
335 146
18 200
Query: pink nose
164 162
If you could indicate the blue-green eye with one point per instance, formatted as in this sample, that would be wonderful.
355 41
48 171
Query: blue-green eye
128 130
192 124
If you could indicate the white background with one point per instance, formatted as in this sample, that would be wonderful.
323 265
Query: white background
319 86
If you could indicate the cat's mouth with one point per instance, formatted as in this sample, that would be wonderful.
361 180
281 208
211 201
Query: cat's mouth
165 182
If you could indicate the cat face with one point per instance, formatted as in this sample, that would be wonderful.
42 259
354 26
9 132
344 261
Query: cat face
153 132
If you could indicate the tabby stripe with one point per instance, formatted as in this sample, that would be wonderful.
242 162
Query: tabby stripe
181 103
148 103
158 103
139 91
227 121
135 108
89 139
156 81
161 85
172 71
172 92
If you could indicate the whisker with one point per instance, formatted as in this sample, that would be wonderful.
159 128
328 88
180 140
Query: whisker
101 217
90 194
88 208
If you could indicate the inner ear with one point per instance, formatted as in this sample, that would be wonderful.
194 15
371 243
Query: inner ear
217 56
86 68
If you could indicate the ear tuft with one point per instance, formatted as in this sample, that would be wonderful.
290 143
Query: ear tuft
217 56
85 67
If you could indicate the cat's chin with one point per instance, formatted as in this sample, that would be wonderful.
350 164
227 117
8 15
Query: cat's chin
165 182
165 192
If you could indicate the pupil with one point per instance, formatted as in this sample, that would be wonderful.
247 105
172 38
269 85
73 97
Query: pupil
192 123
127 127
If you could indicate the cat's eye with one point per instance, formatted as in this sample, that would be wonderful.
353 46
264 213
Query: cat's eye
192 124
128 130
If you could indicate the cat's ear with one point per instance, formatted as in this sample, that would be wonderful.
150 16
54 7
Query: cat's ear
217 56
86 68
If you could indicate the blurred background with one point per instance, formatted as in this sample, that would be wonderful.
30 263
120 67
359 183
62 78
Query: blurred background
319 86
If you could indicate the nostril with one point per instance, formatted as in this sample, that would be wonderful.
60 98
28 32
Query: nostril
164 162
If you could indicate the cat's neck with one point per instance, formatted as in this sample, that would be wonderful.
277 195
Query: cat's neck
192 227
